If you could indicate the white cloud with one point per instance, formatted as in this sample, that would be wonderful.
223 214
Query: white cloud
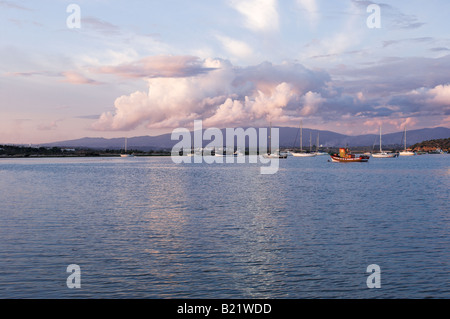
225 95
440 95
235 47
311 102
260 15
311 10
75 77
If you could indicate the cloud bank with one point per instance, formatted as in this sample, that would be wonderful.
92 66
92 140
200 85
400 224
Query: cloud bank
223 95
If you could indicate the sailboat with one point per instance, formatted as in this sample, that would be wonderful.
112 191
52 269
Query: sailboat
301 153
277 153
319 153
383 154
225 152
125 153
406 152
191 151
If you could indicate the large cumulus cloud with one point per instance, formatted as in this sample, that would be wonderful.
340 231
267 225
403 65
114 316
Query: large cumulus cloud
182 89
221 94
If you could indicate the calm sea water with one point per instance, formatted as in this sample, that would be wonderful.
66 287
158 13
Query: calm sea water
149 228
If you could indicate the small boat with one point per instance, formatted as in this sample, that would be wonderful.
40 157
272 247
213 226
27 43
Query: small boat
383 154
344 156
125 154
406 152
318 152
277 153
302 153
224 153
437 151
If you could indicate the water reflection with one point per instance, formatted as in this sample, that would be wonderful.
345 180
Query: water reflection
149 228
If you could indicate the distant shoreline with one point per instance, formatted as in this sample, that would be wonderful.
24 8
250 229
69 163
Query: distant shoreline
78 156
11 151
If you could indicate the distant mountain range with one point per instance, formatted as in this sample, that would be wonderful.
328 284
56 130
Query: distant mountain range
289 138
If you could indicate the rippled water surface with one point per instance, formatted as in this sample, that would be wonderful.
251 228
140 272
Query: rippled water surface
148 228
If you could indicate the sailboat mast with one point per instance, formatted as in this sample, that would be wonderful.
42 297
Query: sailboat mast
380 139
301 136
310 143
317 144
405 138
270 139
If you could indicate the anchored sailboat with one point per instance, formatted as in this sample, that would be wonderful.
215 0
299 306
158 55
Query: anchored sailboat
301 153
383 154
406 152
125 153
319 153
277 153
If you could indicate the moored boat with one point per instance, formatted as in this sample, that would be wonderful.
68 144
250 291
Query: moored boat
277 154
344 156
383 154
318 152
125 154
226 152
303 153
406 152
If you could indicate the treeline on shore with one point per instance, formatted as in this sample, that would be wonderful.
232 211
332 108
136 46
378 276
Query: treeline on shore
28 151
432 145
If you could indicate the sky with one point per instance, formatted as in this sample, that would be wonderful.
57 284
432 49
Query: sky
134 68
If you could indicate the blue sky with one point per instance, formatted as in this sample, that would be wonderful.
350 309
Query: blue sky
145 68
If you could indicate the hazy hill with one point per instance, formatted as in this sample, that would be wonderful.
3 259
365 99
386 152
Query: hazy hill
288 135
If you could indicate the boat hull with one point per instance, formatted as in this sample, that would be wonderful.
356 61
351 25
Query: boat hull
303 154
338 159
407 153
385 155
275 156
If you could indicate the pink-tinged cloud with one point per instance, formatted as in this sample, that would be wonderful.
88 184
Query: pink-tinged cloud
440 95
388 125
311 103
425 100
100 26
74 77
12 5
259 106
48 127
182 89
157 66
225 95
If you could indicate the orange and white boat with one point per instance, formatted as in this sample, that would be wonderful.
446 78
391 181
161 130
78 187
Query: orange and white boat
344 156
